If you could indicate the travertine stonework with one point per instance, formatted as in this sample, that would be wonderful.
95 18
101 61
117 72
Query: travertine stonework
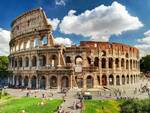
37 62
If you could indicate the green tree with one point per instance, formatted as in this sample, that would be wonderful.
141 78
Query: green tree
4 63
145 63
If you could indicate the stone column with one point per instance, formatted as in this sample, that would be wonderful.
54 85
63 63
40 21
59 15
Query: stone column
13 80
37 83
120 79
114 65
114 80
29 83
23 81
71 83
107 63
107 80
84 82
58 83
47 82
95 81
38 62
119 64
59 65
17 82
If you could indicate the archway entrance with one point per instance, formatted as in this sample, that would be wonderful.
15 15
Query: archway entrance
42 82
26 81
33 82
117 80
89 82
123 79
104 80
53 82
111 80
64 82
20 81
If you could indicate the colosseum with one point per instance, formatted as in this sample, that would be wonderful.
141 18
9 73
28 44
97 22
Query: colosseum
37 62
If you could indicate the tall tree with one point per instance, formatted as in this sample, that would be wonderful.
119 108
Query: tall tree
145 63
4 63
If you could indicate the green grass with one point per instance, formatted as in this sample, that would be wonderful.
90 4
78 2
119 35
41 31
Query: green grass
101 106
30 105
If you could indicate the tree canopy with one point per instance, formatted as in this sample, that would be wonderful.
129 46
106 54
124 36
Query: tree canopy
4 63
145 63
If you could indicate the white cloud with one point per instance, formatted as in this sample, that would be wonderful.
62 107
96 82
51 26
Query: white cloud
54 22
144 44
60 40
101 22
4 43
60 2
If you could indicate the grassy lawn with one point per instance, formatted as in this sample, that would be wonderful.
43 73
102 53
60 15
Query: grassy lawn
30 105
101 106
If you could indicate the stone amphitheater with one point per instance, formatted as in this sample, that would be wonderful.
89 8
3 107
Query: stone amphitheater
37 62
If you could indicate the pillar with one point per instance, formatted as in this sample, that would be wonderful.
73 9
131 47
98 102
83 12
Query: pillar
22 81
59 65
29 83
58 83
47 83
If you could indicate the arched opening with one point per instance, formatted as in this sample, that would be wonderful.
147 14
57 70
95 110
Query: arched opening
127 55
96 62
103 63
89 82
54 61
104 80
34 60
20 80
78 60
68 59
134 79
44 40
42 82
117 63
42 60
98 78
123 79
36 41
131 79
20 62
26 62
53 82
65 82
33 82
103 53
122 63
111 80
79 82
16 64
127 64
127 79
130 64
26 80
89 61
15 80
117 80
110 63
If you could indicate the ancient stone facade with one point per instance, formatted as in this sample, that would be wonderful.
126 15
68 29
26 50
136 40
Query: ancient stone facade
37 62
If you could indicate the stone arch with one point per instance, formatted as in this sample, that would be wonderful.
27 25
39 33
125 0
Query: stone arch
26 61
111 79
127 55
42 82
78 60
68 59
42 60
103 53
131 64
19 80
117 80
131 79
103 62
64 82
104 80
110 62
26 80
89 81
34 61
127 79
20 61
89 61
33 82
53 82
54 61
123 79
98 79
122 63
117 62
127 64
96 61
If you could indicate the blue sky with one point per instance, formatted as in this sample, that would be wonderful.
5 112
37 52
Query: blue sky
124 21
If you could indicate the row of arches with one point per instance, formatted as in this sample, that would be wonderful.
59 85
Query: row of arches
41 82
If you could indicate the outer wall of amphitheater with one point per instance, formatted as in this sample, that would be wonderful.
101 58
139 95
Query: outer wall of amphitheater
37 62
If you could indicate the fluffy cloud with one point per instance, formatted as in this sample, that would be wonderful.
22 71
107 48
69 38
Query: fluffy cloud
101 22
54 22
144 44
61 40
4 43
60 2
